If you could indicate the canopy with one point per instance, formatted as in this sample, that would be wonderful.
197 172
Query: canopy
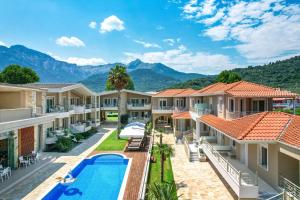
133 130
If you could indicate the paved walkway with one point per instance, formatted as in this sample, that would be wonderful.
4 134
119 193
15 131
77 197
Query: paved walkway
39 183
198 180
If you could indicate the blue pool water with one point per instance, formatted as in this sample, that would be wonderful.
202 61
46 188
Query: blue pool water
100 177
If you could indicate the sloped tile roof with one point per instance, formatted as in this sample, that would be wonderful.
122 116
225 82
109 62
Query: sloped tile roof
175 92
182 115
244 89
292 133
265 126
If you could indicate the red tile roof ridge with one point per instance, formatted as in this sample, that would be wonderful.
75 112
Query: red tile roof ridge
233 85
210 86
285 128
251 127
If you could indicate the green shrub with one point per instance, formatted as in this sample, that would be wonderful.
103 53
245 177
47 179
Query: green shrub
63 144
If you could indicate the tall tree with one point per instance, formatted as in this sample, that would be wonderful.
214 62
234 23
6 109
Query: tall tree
16 74
228 77
109 87
118 78
164 150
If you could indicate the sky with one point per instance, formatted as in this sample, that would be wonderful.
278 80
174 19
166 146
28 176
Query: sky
201 36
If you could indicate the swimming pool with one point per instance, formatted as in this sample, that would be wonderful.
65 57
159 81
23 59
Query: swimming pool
99 177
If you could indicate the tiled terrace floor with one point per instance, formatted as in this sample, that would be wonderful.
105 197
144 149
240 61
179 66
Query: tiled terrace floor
198 180
39 182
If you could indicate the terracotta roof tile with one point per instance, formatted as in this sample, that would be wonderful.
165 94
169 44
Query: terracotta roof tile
266 126
292 134
182 115
244 89
175 92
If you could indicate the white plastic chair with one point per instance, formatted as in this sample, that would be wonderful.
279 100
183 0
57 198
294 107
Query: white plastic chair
4 173
23 161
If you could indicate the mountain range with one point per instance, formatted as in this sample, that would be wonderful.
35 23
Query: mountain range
280 74
146 76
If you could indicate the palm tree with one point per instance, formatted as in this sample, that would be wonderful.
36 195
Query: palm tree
119 79
162 191
164 150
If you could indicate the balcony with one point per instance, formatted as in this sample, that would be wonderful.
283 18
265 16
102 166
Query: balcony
79 109
109 107
238 114
180 109
88 108
138 119
139 106
242 181
61 111
81 127
7 115
162 109
200 109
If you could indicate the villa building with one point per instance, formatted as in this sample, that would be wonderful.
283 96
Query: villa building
136 104
23 122
255 149
75 107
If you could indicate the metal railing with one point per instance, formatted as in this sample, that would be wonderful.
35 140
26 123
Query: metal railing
138 104
109 105
280 196
290 187
238 114
59 108
143 186
163 107
235 174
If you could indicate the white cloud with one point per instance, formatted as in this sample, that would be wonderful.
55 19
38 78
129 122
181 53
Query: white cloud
69 41
159 27
195 9
93 24
111 23
2 43
85 61
171 42
182 59
147 44
262 30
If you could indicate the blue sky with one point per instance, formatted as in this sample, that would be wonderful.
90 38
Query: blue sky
205 36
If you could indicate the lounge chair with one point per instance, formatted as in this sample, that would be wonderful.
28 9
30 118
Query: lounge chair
23 162
77 141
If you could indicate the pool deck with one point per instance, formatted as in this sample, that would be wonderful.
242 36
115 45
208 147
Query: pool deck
38 182
136 171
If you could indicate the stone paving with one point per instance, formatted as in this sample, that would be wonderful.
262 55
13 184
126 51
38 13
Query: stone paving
39 183
196 180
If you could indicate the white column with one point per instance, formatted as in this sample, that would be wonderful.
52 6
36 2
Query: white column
44 102
33 102
246 154
198 131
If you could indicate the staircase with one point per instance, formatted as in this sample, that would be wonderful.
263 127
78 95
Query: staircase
193 156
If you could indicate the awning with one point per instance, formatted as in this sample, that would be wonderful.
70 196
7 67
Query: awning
133 130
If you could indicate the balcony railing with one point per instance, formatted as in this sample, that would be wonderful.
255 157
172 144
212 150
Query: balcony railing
15 114
238 114
289 187
237 179
163 108
139 105
58 108
109 105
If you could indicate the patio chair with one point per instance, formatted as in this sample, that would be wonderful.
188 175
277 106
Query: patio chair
4 173
35 157
23 162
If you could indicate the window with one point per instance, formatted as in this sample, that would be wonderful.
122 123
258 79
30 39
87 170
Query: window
263 156
162 103
258 105
220 106
231 105
242 105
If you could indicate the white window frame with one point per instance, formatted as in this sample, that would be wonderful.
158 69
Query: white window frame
259 99
166 100
259 156
220 104
229 99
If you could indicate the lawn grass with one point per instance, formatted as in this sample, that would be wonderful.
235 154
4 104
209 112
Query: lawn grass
112 143
291 111
154 170
112 118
